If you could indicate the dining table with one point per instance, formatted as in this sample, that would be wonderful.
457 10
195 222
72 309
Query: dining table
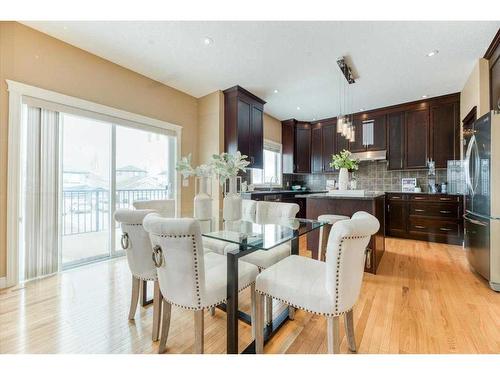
246 237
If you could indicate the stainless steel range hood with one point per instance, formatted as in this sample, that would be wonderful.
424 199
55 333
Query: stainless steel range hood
369 155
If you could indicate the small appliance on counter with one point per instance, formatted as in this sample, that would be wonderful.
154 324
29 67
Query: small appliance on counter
330 185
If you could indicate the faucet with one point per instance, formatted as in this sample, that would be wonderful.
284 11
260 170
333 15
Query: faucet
271 182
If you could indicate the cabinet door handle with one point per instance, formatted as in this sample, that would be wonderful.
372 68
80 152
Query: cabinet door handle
445 229
419 210
444 199
419 227
418 198
445 212
395 197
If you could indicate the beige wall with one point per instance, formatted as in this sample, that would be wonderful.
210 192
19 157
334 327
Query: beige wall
211 135
272 128
476 90
37 59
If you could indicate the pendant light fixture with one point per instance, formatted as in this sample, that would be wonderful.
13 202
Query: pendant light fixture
345 124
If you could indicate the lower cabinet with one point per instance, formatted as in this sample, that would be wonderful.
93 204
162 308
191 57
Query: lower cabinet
426 217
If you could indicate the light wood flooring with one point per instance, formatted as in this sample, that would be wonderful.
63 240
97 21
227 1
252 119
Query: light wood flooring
423 300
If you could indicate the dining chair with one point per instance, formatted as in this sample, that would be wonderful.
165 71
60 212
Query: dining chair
328 288
164 207
137 245
272 213
189 277
324 231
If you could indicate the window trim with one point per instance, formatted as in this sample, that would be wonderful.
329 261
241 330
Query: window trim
18 92
273 147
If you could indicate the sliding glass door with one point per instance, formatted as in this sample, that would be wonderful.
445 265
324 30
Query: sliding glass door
86 186
105 166
143 168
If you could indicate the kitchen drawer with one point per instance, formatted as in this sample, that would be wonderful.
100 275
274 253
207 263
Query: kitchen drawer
444 210
442 227
435 198
419 197
396 197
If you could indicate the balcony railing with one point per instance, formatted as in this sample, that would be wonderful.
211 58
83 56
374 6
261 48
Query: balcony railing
86 211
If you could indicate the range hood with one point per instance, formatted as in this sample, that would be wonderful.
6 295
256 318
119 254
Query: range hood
369 155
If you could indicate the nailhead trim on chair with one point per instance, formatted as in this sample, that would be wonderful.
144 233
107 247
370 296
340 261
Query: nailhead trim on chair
336 313
209 306
197 280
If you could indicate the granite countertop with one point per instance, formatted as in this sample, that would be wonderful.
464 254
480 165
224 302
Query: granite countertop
420 192
367 196
281 191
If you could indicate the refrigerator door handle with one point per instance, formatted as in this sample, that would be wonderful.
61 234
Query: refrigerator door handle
468 177
474 221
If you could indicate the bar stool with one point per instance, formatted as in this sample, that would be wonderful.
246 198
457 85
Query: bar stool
324 231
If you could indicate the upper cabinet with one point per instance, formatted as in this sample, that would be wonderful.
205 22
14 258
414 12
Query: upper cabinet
316 148
411 133
302 147
369 133
329 144
445 133
244 124
417 138
396 140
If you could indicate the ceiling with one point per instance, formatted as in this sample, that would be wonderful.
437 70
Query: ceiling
296 58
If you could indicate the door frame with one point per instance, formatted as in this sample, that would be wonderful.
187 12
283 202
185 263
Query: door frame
17 92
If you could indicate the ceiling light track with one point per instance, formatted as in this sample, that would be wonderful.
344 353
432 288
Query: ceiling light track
346 70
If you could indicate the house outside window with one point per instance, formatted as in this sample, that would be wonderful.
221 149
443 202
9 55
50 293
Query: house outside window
272 166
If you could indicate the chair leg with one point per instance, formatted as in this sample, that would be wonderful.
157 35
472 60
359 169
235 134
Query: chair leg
165 324
198 331
291 312
156 311
349 330
324 233
253 308
136 285
212 311
333 335
269 310
259 323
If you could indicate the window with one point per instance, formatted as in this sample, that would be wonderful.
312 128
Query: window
272 166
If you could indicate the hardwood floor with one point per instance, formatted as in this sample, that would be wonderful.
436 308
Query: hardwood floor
423 300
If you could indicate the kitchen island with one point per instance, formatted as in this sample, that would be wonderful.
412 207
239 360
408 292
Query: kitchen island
338 204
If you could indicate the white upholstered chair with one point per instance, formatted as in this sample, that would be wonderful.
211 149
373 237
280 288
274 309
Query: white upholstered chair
164 207
328 288
324 231
273 213
189 277
137 245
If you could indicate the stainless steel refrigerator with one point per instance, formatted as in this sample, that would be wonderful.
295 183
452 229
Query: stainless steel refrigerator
482 200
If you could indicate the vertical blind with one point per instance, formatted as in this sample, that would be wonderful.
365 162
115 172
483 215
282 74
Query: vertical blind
41 193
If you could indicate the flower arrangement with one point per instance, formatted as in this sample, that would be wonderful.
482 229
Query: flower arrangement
184 167
344 160
224 166
228 165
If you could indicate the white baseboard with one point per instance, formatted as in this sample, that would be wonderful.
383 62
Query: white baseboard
3 282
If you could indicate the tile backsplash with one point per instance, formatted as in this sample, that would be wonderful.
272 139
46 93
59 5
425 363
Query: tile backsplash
372 176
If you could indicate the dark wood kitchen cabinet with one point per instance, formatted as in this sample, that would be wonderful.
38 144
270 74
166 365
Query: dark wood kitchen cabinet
445 133
357 145
425 217
379 134
288 145
316 148
244 125
417 138
302 147
329 144
395 140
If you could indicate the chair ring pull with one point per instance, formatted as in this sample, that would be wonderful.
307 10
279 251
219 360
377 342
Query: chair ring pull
157 256
124 241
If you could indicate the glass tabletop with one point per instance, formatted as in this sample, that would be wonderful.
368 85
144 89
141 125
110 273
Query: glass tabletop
259 235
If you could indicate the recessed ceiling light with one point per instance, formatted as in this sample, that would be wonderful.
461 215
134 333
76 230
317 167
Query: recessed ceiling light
207 41
424 96
298 108
65 27
361 109
432 53
314 118
276 91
